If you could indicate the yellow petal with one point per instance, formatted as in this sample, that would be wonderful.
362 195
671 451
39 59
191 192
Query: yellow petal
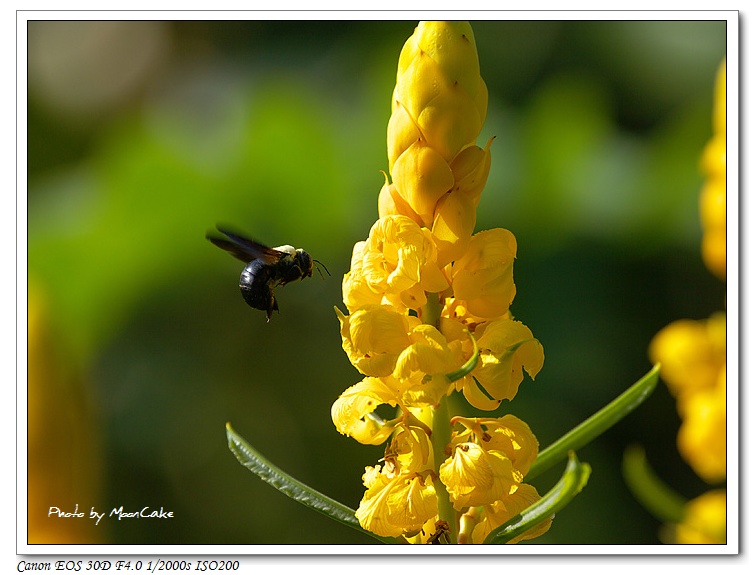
454 222
470 169
374 336
351 411
400 505
421 175
513 437
475 477
506 348
484 276
428 353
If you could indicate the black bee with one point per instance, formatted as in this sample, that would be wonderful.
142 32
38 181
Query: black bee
266 268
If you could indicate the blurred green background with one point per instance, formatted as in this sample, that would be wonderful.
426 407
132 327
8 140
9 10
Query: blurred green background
143 135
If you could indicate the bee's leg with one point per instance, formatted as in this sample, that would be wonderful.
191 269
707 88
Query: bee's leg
271 304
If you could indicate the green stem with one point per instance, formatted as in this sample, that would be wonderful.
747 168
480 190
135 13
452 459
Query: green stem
431 310
441 438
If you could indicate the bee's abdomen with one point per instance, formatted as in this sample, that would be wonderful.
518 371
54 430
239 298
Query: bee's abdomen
255 284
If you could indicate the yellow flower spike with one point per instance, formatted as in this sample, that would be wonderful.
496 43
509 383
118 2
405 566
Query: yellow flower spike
422 291
352 411
439 85
500 512
484 277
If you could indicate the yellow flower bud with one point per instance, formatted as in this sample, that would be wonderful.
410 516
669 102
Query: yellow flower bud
439 107
423 176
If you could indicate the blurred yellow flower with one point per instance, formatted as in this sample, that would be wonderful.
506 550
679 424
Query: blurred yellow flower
704 520
691 353
702 435
713 193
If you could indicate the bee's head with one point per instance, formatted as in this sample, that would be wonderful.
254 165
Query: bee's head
305 262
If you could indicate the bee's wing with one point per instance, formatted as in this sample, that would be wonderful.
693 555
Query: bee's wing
243 248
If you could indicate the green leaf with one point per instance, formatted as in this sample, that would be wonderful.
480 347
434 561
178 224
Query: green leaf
571 483
594 426
658 498
295 489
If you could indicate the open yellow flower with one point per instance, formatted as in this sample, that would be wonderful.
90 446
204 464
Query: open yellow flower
508 434
489 458
395 265
395 505
475 476
507 348
401 497
382 342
